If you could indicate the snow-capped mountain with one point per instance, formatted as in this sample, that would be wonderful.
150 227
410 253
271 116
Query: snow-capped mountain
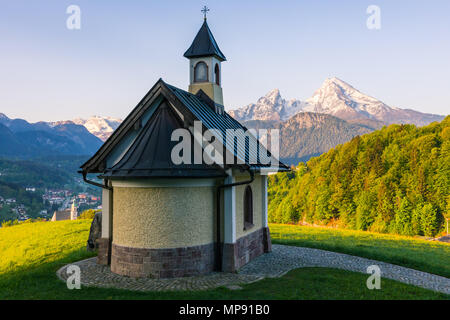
270 107
335 97
340 99
101 127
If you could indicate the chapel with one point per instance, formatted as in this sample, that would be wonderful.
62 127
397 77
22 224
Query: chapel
184 184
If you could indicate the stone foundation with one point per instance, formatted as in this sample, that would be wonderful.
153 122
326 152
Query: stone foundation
182 262
162 263
247 248
104 251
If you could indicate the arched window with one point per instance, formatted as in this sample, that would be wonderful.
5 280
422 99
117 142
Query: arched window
248 208
201 72
217 74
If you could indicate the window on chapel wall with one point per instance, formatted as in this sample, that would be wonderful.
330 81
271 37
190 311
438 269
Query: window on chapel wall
248 208
201 72
217 74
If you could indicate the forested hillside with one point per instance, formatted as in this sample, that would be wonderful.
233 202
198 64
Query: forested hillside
31 200
394 180
36 173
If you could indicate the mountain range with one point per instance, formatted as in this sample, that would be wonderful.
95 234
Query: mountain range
333 115
21 139
335 97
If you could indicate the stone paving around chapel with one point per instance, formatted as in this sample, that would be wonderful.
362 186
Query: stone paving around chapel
281 260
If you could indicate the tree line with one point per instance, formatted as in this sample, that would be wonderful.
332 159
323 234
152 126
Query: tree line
394 180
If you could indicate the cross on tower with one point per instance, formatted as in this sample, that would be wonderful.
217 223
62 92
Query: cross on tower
205 11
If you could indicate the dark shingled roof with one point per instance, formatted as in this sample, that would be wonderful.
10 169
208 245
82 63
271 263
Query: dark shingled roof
204 45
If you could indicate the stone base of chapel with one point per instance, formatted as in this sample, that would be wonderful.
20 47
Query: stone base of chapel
162 263
104 251
247 248
182 262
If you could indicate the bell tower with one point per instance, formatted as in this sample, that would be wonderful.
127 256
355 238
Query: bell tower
73 211
205 60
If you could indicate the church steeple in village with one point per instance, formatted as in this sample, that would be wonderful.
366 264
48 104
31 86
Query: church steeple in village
73 211
205 60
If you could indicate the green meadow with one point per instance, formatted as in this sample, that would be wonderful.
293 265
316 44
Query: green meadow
31 253
411 252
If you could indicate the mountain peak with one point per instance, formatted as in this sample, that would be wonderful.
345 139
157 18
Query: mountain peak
101 127
338 98
336 83
104 118
269 107
273 92
273 95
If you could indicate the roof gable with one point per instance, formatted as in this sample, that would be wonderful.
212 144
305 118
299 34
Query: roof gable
150 153
97 163
192 107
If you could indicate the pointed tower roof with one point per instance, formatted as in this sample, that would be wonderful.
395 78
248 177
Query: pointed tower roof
204 45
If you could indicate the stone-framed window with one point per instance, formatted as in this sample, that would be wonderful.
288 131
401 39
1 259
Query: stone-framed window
248 208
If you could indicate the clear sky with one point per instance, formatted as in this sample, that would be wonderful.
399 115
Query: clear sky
48 72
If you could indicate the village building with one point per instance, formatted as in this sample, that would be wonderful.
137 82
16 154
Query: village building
61 215
161 218
68 214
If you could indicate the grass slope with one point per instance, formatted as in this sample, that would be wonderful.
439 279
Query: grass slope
30 245
428 256
31 254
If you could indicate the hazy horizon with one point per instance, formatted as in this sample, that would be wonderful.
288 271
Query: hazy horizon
51 73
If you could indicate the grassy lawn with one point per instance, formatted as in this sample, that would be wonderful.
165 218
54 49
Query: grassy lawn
429 256
31 254
28 245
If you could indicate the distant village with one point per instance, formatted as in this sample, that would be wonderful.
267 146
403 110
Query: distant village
59 200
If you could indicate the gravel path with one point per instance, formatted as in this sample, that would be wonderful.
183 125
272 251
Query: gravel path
275 264
285 258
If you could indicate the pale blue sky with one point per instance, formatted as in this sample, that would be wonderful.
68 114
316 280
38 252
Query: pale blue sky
48 72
